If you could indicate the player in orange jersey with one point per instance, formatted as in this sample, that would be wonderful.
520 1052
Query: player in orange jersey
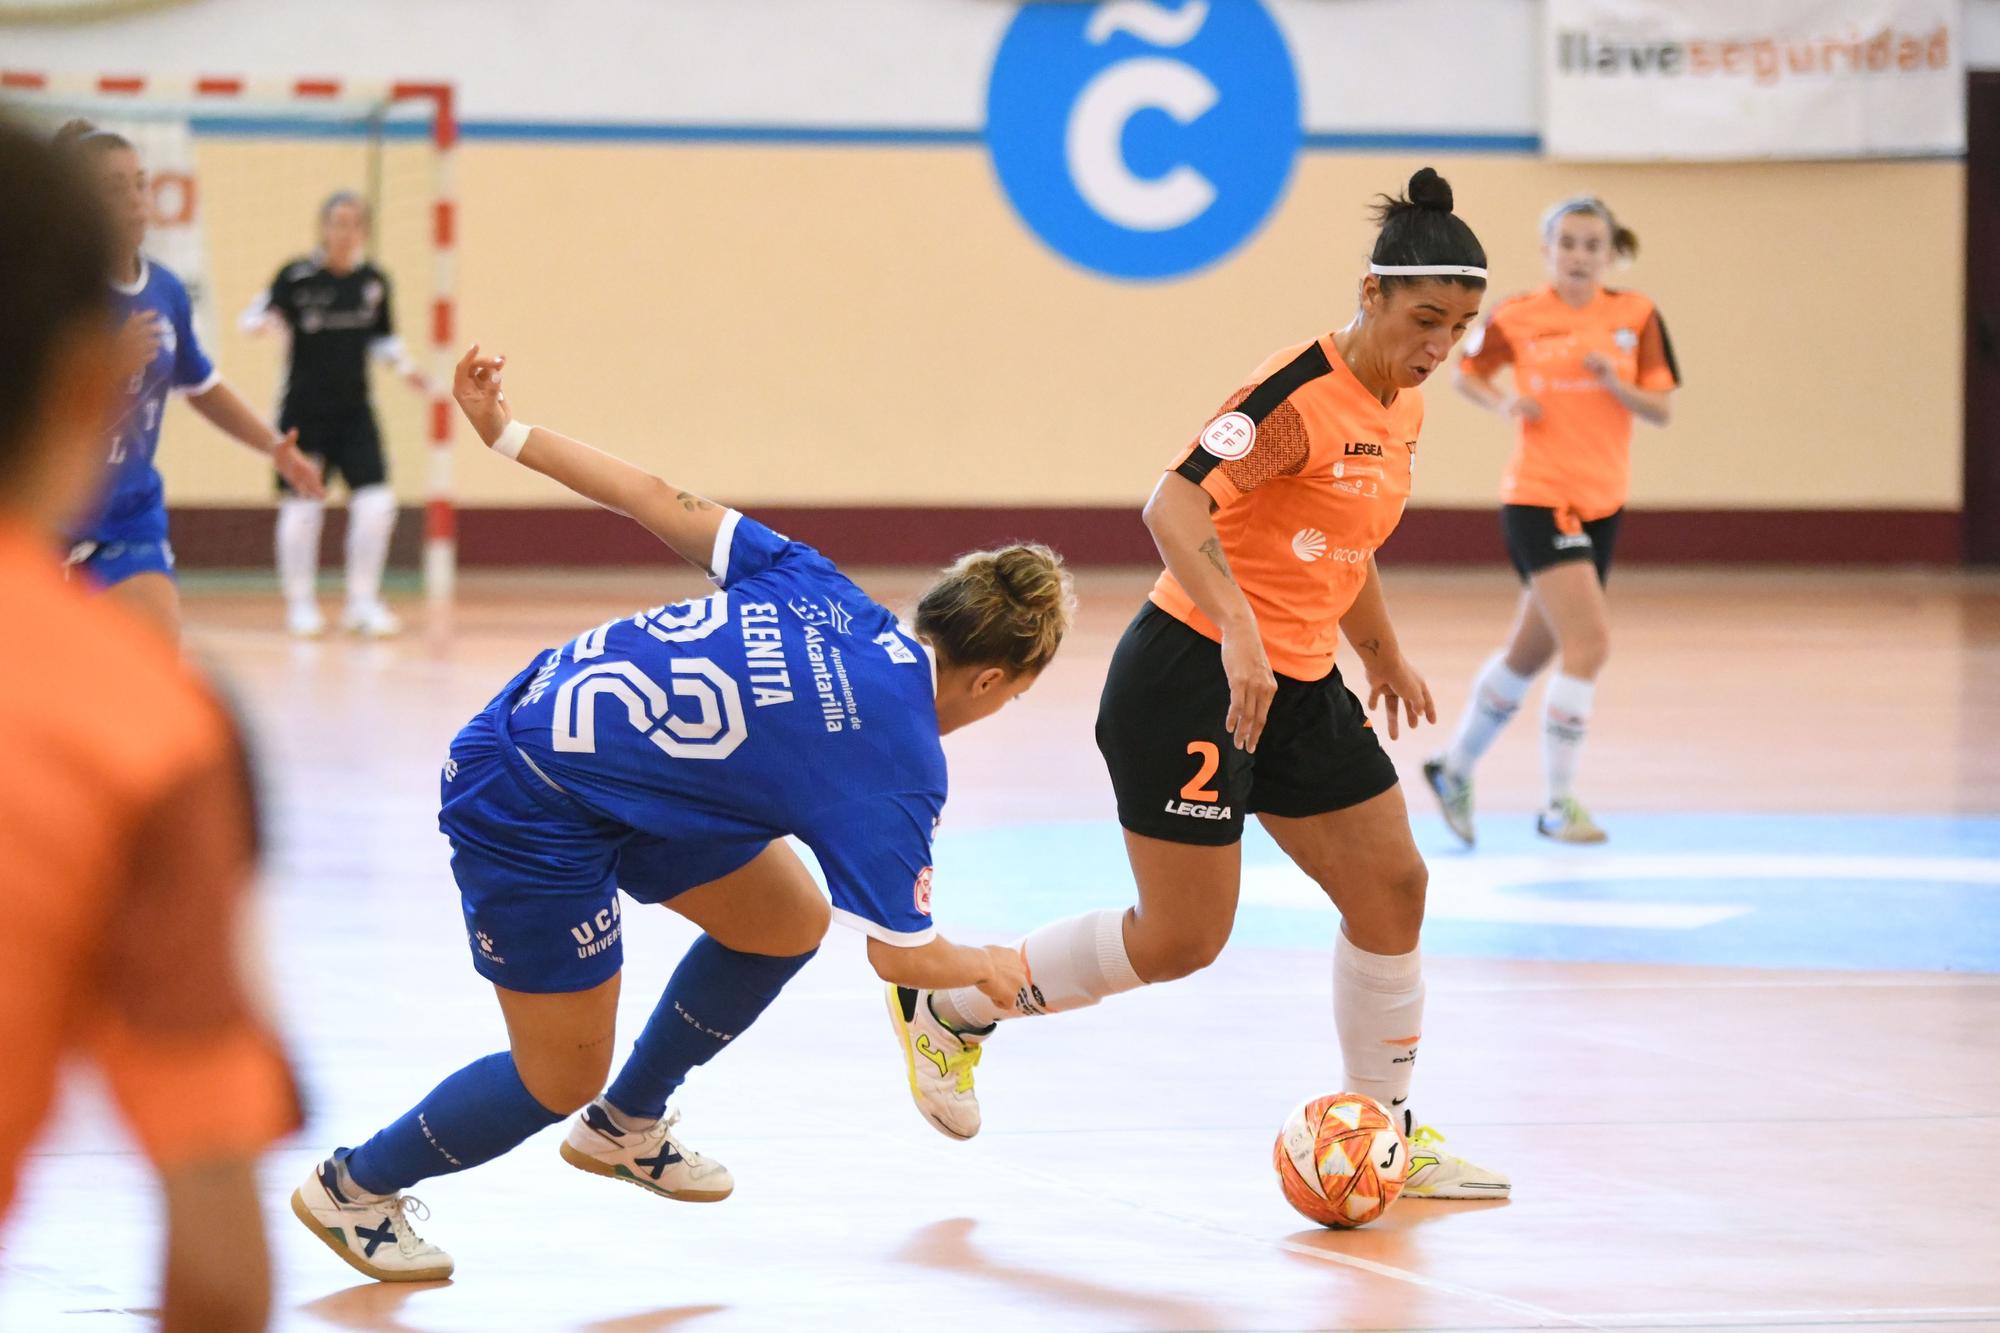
126 835
1223 699
1587 359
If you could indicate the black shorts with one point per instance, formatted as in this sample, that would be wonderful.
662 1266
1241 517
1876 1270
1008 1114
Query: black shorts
349 445
1534 542
1180 777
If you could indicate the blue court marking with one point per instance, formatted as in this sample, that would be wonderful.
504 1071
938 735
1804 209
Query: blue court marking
1861 893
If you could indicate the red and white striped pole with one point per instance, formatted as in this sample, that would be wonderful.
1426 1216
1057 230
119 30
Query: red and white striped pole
440 513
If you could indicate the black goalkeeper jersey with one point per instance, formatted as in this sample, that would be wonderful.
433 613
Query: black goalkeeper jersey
335 319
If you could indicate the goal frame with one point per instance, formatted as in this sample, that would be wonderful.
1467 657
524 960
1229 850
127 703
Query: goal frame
438 101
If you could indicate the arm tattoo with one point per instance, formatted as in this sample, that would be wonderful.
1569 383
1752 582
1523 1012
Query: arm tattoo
1212 548
693 503
1373 647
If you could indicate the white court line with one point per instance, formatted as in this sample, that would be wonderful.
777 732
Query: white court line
1697 1318
1503 889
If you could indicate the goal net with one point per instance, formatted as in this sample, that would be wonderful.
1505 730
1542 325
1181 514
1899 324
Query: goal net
238 172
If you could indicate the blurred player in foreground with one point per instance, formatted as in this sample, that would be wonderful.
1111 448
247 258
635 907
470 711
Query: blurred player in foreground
126 830
668 755
1587 359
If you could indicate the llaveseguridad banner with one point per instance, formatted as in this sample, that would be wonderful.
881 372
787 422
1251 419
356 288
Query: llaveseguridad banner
1707 80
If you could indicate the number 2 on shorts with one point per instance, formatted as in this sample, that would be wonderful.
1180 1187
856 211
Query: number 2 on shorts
1197 788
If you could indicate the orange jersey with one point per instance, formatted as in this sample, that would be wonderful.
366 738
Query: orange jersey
126 839
1576 458
1309 473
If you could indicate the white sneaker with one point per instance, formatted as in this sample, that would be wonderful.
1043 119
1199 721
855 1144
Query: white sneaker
304 621
1568 821
1437 1174
1454 797
651 1158
373 622
371 1232
939 1062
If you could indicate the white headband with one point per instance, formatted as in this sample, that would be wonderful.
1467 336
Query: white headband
1427 270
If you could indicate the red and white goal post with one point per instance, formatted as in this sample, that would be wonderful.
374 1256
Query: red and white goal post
238 167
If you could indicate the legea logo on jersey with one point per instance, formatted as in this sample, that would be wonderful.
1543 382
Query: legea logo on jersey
1139 138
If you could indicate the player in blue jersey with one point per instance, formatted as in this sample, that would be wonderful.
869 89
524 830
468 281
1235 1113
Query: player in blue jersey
669 754
124 545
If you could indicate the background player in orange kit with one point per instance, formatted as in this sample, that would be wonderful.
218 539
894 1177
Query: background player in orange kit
1223 699
1587 359
126 831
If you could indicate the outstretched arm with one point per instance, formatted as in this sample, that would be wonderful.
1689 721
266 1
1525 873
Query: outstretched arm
225 410
681 519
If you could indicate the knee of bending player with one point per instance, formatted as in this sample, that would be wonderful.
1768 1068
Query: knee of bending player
1167 951
566 1086
1390 919
802 930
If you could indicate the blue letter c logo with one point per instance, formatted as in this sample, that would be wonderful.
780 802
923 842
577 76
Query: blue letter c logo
1142 141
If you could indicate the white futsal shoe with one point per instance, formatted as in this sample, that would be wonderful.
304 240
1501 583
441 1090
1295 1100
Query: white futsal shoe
651 1158
1454 797
304 621
1567 821
374 621
1437 1174
939 1062
372 1232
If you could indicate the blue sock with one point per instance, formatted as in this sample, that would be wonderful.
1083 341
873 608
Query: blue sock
474 1116
714 995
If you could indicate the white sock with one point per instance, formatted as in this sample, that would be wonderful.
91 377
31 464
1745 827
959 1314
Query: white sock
1565 719
1497 692
1071 965
371 521
1378 1008
299 523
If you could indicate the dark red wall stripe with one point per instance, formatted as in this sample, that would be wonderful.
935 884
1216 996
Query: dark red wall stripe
492 537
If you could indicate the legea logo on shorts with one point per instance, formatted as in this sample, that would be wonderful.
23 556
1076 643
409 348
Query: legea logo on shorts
1139 138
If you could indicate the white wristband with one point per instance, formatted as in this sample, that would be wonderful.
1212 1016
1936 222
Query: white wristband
511 439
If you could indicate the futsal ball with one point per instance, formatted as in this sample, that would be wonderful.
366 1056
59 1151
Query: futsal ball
1341 1159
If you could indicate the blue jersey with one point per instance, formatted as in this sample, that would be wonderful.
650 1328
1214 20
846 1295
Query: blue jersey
133 507
787 703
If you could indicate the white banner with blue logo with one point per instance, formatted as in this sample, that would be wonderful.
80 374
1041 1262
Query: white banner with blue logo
1706 80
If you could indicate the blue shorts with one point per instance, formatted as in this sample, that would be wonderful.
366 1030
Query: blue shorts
539 875
110 563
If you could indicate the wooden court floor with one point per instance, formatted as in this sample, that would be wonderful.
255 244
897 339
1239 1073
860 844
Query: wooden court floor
1743 1064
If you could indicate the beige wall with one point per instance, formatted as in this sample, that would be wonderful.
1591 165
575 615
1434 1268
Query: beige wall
852 326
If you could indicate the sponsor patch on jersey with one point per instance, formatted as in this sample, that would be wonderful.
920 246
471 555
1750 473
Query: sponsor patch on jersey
821 611
923 892
1230 436
1309 544
1627 340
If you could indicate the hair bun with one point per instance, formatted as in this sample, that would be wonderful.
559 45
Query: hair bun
1427 189
73 132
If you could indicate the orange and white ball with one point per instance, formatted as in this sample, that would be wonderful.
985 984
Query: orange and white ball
1341 1159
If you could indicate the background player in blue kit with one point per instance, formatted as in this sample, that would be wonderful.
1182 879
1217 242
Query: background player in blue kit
124 545
669 754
